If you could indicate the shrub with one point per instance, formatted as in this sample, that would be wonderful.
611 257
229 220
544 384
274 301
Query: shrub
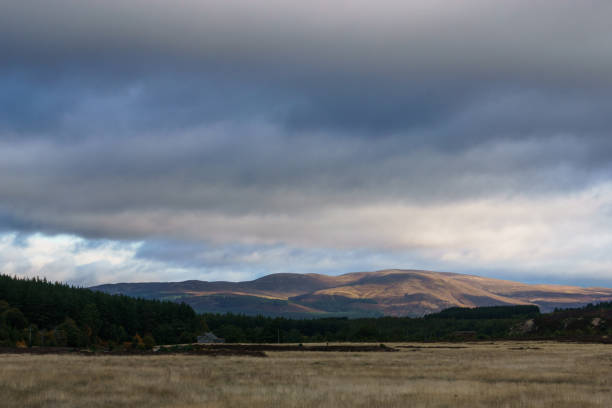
73 337
148 342
137 342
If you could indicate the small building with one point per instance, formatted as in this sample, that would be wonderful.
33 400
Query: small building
210 338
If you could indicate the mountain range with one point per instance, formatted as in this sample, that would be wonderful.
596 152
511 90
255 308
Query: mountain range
391 292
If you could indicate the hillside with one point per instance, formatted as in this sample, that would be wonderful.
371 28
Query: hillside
388 292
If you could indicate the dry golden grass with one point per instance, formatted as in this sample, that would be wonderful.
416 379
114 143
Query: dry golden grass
481 375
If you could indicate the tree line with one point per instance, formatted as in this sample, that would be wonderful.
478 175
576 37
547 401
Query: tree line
38 312
451 324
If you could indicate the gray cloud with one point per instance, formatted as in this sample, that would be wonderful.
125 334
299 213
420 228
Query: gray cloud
308 125
523 39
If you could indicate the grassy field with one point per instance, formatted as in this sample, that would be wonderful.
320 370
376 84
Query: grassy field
430 375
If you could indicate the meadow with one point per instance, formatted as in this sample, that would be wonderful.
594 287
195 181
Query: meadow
501 374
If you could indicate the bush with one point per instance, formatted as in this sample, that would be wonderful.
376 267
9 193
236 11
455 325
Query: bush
72 336
148 342
137 342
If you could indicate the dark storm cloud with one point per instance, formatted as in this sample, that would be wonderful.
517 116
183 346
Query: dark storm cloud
11 222
476 38
76 106
196 143
356 68
266 126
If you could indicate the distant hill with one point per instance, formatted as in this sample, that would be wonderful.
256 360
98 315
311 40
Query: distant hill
387 292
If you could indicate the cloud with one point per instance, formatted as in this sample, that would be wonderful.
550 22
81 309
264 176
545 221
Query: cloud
465 135
257 169
89 262
394 38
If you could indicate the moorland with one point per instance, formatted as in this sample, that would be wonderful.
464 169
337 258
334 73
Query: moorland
486 374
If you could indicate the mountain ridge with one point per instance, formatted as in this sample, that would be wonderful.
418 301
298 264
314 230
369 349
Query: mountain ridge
390 292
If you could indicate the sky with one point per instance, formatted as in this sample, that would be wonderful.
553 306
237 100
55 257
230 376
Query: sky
157 140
